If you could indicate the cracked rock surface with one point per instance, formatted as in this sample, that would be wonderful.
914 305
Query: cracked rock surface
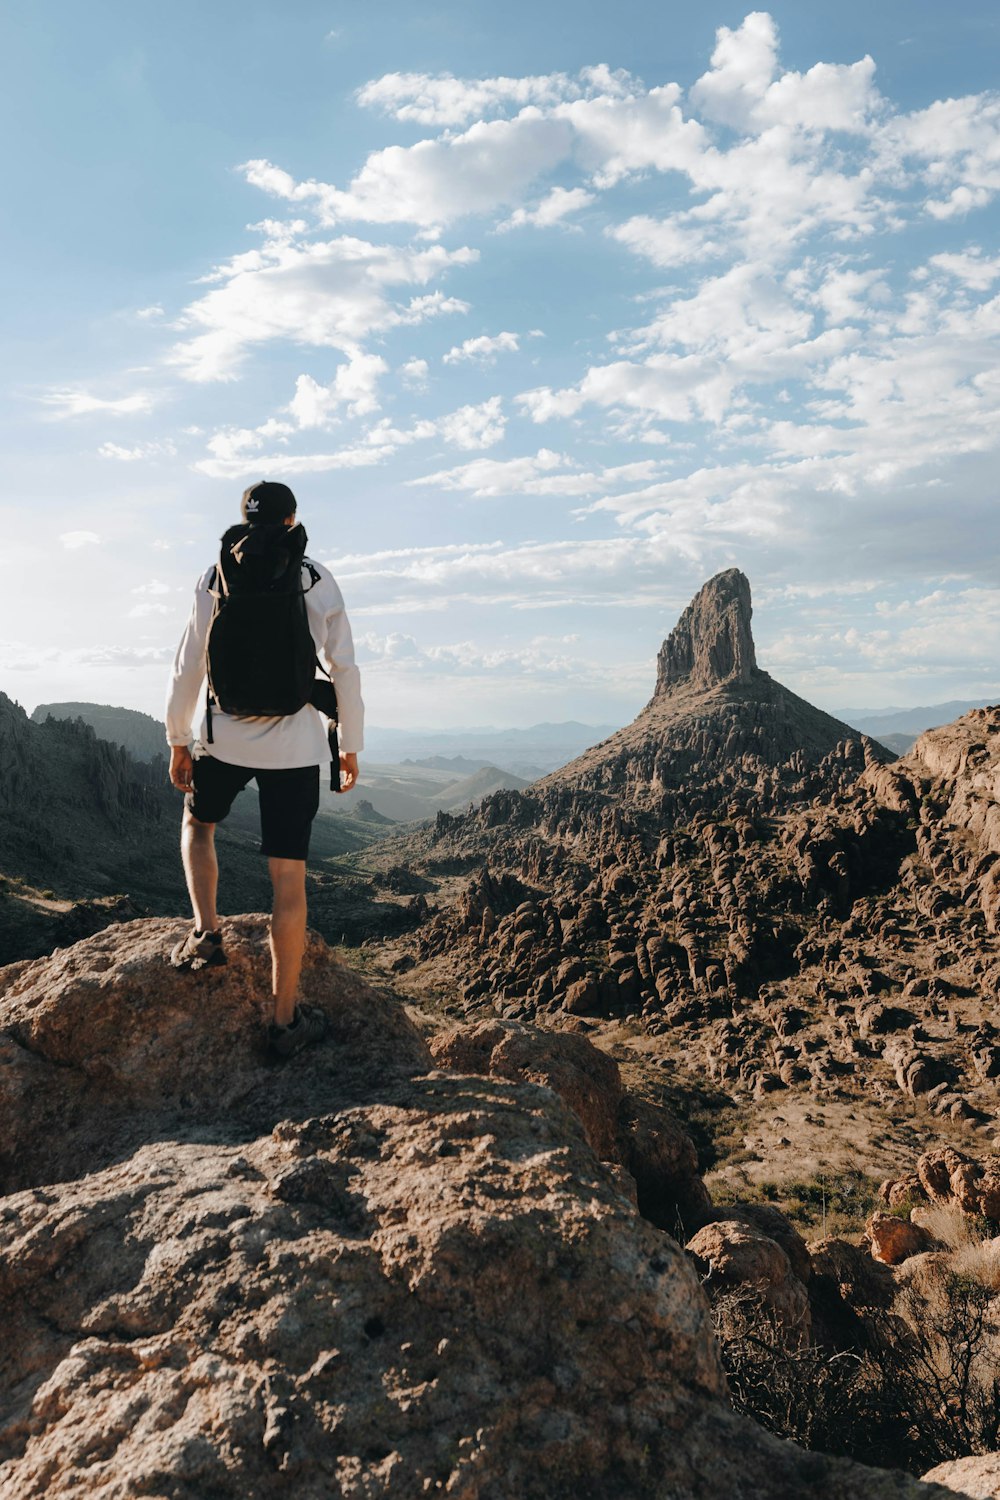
355 1275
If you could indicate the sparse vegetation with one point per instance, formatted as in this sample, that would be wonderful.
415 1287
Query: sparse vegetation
834 1205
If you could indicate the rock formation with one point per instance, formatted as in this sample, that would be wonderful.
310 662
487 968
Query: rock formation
735 887
712 642
354 1275
643 877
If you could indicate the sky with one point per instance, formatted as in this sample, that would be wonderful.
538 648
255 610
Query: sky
546 312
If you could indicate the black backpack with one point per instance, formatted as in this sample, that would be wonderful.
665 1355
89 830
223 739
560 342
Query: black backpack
261 655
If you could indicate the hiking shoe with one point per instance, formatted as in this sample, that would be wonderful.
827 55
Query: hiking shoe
308 1026
199 950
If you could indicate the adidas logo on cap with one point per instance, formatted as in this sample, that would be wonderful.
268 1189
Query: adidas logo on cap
267 502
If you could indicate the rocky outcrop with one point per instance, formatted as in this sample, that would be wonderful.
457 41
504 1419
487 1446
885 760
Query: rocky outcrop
354 1274
641 878
737 1256
951 1179
750 886
621 1127
712 642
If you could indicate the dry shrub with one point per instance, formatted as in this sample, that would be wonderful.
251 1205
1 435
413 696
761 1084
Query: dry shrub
924 1386
797 1391
979 1260
947 1224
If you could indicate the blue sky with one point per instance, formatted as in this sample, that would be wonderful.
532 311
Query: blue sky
545 315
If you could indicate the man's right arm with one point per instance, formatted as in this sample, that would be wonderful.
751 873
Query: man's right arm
189 670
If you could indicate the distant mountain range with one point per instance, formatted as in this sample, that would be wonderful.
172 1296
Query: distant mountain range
528 753
879 722
89 830
138 733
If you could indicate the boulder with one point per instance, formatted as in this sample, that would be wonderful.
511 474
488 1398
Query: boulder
733 1257
935 1169
620 1126
661 1157
99 1038
772 1222
584 1077
894 1240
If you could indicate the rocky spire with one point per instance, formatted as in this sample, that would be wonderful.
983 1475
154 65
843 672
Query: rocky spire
712 642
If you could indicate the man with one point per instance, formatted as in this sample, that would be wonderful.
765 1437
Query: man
283 753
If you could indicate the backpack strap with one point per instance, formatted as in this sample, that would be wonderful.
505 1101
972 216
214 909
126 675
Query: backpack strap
217 587
332 741
313 575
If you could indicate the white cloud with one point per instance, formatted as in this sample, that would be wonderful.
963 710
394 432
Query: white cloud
327 294
354 387
542 655
138 452
69 403
124 656
468 427
552 209
956 146
73 540
281 465
478 426
667 242
474 426
743 66
148 609
617 137
149 314
542 473
741 90
446 100
482 350
576 568
969 267
435 182
845 294
415 372
673 388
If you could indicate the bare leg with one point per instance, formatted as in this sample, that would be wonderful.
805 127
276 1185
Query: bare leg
288 933
201 868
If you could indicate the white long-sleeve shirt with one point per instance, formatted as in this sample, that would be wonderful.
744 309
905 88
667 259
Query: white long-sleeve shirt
269 744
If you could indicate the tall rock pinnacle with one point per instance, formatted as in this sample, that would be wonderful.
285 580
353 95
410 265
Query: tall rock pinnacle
712 642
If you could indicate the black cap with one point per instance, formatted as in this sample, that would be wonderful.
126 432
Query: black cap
267 502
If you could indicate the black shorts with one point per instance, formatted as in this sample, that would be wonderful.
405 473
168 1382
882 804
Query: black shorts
289 800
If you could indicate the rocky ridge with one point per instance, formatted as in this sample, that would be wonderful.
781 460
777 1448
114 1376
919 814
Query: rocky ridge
362 1275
